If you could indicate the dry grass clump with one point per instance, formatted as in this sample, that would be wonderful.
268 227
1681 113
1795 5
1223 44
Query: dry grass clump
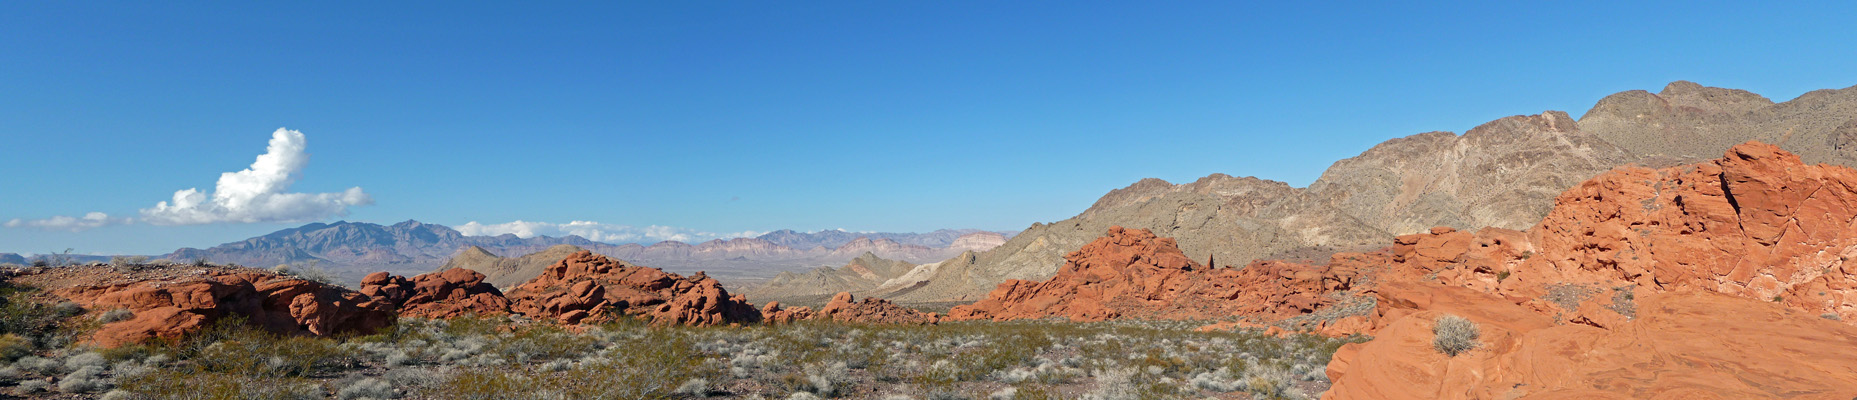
1453 335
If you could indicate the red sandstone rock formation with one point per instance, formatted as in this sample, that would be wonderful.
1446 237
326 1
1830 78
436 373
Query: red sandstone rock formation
450 293
588 287
174 301
773 313
1686 344
873 310
1724 279
1130 273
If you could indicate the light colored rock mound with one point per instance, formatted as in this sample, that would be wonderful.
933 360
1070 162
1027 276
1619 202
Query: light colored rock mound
172 301
1690 344
845 308
446 294
1131 273
862 274
508 272
585 287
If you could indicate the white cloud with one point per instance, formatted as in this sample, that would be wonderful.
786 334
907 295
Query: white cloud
257 194
599 232
74 224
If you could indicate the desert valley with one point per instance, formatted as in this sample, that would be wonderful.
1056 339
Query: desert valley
1689 243
927 200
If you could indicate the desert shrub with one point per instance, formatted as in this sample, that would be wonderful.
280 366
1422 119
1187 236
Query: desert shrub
22 316
1453 335
12 347
242 350
306 271
486 384
39 365
115 315
694 387
31 386
185 384
368 388
86 359
84 380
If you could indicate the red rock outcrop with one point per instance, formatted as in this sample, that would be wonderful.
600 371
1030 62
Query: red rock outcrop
1131 273
1724 279
450 293
774 313
585 287
845 308
1686 344
171 302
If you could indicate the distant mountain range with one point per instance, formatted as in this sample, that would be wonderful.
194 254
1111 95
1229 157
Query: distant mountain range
354 249
1505 173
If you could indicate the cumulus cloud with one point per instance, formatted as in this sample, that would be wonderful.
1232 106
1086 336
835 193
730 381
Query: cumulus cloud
258 193
74 224
599 232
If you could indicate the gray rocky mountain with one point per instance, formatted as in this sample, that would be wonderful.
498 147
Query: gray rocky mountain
1504 173
351 250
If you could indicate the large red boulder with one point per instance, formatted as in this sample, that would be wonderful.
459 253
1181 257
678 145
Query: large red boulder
176 301
586 287
445 294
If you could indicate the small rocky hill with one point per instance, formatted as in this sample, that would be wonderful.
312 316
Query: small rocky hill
508 272
861 275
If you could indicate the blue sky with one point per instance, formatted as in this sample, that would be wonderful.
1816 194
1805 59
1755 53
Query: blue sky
713 118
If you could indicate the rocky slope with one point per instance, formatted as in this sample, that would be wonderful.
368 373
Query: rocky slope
1501 174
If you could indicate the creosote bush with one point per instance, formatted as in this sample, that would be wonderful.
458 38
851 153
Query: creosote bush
1453 335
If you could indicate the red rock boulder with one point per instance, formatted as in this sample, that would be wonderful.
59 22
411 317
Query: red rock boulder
450 293
585 287
188 299
773 313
